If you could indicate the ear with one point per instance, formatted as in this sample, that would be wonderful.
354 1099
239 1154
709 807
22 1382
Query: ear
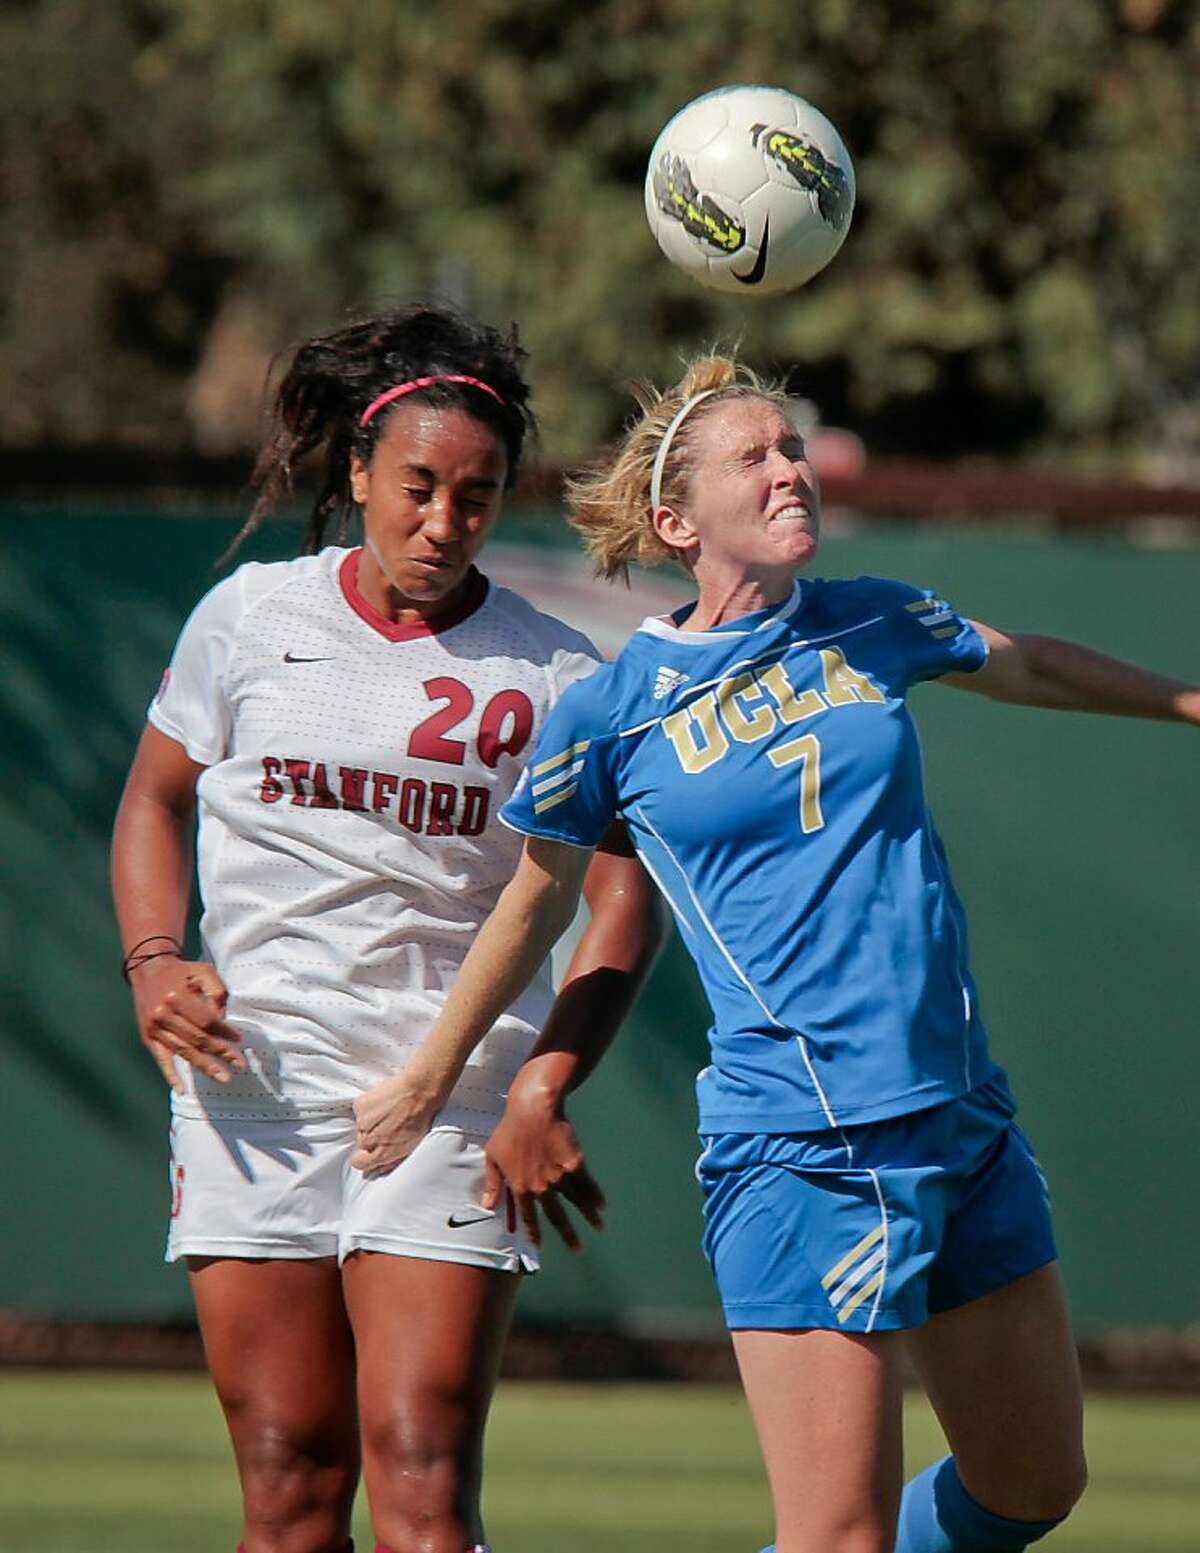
674 529
359 480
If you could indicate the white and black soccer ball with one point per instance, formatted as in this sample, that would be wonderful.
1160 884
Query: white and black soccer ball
750 189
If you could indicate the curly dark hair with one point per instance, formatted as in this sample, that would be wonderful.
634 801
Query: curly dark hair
333 378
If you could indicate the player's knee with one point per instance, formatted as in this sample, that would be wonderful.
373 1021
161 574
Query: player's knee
862 1537
1046 1491
425 1460
865 1533
1062 1488
1052 1491
297 1490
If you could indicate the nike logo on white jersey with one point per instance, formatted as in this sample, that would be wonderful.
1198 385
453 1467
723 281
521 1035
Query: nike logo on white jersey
461 1217
291 657
667 680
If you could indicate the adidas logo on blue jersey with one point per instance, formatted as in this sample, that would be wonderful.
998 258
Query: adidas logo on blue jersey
667 680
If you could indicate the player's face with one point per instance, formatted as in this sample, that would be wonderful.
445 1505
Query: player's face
753 501
430 496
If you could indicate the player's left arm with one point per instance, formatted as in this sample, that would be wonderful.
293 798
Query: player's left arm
534 1154
1046 671
610 962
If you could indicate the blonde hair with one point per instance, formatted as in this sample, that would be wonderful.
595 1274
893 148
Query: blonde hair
609 504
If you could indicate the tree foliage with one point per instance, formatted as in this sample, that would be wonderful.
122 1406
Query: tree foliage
190 178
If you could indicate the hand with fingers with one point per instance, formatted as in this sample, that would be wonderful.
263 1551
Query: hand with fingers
393 1117
181 1013
534 1157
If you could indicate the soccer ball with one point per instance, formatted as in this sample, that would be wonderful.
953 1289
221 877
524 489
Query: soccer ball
750 189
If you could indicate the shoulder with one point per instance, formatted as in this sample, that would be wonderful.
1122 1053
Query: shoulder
586 708
849 603
253 581
842 599
260 580
565 656
545 635
929 636
593 696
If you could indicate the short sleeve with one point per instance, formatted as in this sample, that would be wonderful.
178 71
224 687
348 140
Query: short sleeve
567 791
191 705
935 639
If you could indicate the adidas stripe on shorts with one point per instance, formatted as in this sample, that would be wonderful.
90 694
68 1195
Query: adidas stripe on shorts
875 1227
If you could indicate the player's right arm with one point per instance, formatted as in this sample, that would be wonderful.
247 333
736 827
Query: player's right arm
534 910
180 1003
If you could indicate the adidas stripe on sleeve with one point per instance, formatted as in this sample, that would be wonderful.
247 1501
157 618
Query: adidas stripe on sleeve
567 792
935 638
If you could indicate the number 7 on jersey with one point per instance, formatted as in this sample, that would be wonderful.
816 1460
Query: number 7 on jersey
807 750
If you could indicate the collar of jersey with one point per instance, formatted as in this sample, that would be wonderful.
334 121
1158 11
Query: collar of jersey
473 596
669 627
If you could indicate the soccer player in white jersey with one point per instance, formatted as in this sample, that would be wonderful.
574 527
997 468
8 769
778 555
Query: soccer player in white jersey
347 725
865 1185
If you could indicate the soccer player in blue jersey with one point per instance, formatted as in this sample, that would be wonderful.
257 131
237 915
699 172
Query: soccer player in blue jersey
866 1188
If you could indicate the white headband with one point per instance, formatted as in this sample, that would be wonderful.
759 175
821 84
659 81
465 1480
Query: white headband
664 447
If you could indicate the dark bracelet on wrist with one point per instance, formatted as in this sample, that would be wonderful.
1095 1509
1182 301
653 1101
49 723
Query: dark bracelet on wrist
135 958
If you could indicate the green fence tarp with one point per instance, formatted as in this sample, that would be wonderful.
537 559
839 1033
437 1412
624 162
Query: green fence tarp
1075 843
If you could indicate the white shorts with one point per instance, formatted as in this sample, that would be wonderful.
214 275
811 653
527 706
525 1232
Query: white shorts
286 1189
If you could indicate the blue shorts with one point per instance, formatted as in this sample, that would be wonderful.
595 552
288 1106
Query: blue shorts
877 1227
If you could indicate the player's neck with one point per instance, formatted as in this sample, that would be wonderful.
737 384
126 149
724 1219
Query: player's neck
726 597
384 596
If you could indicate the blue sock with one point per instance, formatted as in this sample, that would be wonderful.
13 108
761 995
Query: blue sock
937 1515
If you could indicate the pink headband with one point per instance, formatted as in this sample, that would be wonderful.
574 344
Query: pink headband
424 382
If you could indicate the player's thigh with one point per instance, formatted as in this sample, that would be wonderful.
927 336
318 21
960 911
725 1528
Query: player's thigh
1003 1377
827 1409
256 1212
429 1336
430 1278
281 1353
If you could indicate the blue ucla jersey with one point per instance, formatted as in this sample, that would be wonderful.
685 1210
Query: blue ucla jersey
770 777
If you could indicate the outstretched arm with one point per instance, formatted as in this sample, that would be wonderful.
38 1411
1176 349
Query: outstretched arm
1063 676
534 1153
534 910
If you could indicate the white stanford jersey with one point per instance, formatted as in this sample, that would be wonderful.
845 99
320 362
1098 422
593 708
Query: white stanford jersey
349 849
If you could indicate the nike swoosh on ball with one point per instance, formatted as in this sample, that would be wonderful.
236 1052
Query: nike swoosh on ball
753 277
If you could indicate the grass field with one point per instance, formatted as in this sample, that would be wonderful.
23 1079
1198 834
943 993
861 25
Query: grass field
99 1464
